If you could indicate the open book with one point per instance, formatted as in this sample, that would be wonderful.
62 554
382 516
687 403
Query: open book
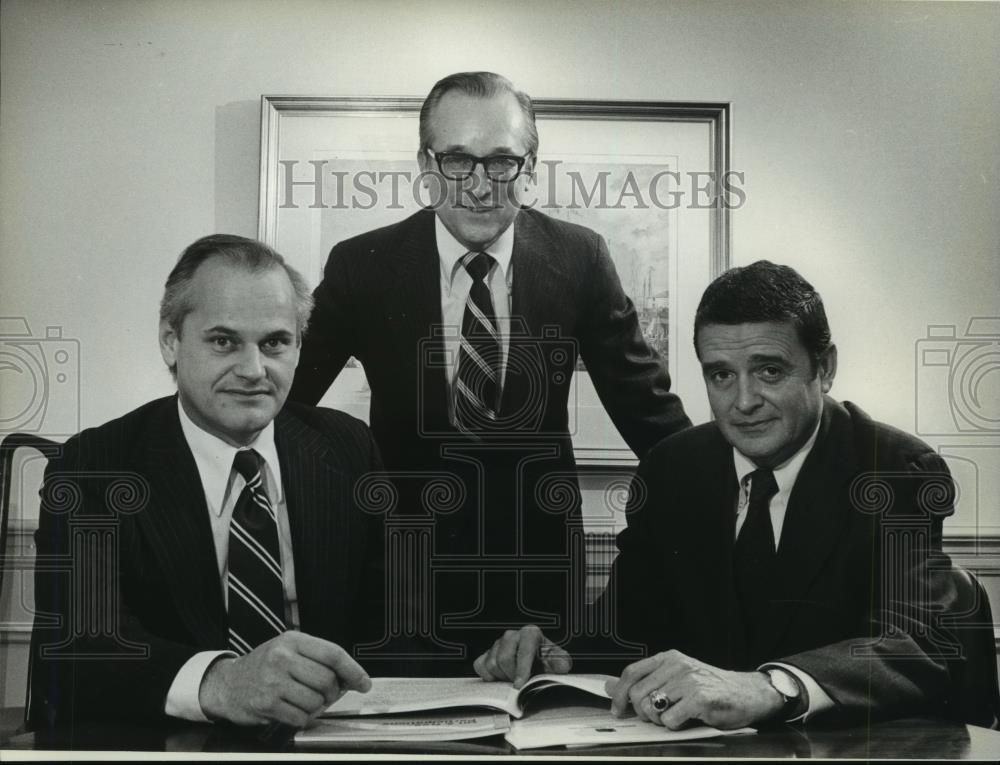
549 710
393 695
432 726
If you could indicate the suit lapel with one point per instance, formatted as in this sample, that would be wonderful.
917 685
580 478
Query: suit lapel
316 496
415 310
529 264
815 518
711 592
177 527
534 297
417 298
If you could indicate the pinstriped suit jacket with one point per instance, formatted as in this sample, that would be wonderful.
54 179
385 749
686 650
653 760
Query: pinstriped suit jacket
126 585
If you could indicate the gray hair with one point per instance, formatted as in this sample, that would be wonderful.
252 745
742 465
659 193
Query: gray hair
477 85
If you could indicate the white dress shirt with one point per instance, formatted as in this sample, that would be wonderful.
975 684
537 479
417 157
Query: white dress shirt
455 285
785 475
222 486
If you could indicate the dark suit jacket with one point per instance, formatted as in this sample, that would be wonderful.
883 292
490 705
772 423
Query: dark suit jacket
858 584
514 495
126 582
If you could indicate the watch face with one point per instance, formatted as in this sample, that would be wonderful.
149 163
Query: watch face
784 684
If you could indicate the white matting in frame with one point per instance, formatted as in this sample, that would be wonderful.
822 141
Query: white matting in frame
651 177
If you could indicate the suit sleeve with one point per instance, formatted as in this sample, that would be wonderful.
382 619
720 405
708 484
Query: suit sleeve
92 658
631 379
380 603
331 336
371 607
625 613
899 664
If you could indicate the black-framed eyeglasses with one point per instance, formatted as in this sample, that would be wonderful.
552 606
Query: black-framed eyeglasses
457 166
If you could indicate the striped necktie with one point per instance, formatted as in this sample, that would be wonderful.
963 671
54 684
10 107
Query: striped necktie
477 379
256 594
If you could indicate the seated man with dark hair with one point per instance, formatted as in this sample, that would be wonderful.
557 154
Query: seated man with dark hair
784 559
183 546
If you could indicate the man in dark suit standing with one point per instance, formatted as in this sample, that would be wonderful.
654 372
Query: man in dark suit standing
204 556
469 319
785 559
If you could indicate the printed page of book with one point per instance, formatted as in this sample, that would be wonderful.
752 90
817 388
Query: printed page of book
420 726
390 695
594 724
591 683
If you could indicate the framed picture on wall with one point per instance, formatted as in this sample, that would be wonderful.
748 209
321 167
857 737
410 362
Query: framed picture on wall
653 178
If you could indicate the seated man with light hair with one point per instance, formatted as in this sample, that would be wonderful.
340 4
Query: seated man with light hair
233 576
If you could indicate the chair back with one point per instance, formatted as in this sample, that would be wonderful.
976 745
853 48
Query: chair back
8 447
975 695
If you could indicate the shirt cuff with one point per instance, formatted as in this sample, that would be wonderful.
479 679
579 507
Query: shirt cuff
817 700
182 698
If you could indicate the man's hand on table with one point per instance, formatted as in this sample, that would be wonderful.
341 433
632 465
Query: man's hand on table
513 656
694 691
289 679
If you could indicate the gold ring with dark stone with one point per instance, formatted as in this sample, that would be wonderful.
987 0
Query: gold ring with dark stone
659 700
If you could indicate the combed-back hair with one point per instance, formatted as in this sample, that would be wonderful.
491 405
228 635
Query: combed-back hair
764 292
477 85
238 251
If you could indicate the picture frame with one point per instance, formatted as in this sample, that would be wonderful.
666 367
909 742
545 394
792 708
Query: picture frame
653 178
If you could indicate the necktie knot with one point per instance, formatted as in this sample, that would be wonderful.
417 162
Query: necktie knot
478 264
247 464
762 485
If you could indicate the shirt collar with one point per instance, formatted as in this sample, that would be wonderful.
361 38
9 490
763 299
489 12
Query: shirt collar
451 251
214 458
786 473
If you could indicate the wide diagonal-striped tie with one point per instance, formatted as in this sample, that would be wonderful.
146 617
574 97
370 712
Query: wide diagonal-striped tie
477 379
256 595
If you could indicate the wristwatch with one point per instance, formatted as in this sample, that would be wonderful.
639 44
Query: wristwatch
788 687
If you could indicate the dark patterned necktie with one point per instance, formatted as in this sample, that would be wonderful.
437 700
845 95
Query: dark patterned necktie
756 539
754 553
256 594
477 379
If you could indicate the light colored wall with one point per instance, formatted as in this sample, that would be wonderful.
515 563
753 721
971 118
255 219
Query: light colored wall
867 132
